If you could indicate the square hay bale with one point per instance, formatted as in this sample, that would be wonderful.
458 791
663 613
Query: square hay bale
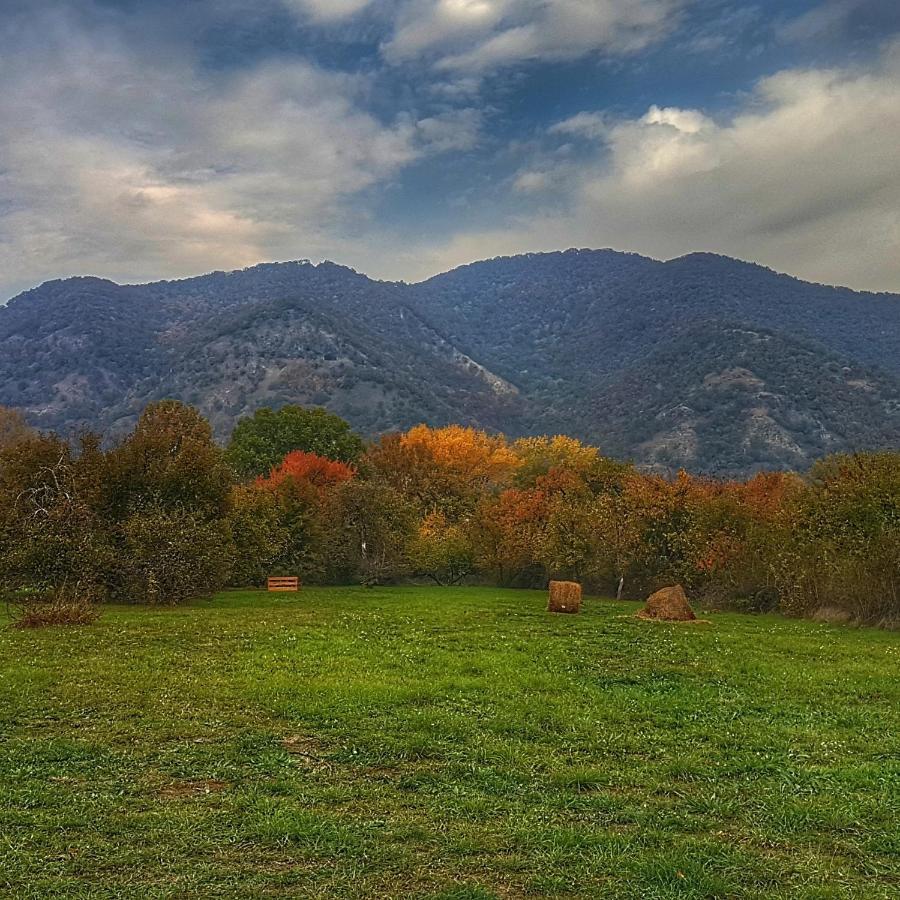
565 597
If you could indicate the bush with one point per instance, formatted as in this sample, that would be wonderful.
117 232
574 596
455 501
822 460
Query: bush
258 539
843 549
173 556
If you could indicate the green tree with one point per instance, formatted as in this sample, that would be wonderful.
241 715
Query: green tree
842 548
379 523
260 442
170 461
258 538
173 555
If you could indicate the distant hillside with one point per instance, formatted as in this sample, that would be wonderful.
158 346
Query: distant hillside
704 361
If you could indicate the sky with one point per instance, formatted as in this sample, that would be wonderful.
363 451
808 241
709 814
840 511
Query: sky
149 139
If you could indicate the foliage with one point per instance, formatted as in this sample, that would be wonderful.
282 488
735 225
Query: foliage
260 443
170 461
379 523
442 550
159 519
258 537
52 538
308 468
173 556
842 548
538 455
13 427
145 521
508 534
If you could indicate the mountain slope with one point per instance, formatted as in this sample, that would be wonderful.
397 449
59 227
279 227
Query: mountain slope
87 351
609 345
703 361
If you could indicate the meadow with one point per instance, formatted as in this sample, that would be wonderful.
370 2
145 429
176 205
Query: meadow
446 743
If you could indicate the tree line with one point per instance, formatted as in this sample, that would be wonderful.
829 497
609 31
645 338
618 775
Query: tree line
166 514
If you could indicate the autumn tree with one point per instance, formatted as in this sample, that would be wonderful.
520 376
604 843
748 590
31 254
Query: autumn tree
13 427
309 468
306 491
442 550
539 455
509 533
452 467
261 442
168 490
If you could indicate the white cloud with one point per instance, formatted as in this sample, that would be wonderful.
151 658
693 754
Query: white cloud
118 162
805 178
531 181
134 163
687 121
326 10
456 129
584 124
479 35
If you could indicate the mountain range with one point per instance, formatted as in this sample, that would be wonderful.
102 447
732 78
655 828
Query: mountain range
705 362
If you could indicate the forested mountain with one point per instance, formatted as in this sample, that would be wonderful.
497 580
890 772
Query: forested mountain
704 361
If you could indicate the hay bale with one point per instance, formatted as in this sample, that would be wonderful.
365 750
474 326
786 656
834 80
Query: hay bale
565 597
668 605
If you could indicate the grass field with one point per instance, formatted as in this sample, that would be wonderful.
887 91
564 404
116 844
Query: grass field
446 743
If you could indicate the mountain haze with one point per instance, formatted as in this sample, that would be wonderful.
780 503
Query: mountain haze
706 362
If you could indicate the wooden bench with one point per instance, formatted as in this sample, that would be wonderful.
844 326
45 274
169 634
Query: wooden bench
284 584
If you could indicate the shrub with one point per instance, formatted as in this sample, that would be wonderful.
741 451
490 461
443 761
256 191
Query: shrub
843 547
173 556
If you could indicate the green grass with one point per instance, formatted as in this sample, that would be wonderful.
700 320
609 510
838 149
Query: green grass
446 743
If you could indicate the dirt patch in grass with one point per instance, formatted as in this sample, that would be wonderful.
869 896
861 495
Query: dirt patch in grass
185 790
307 752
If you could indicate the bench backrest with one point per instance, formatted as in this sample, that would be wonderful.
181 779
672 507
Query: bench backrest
284 584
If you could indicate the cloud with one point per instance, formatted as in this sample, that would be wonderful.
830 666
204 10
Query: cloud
456 129
326 10
531 181
805 177
480 35
122 155
131 162
584 124
843 19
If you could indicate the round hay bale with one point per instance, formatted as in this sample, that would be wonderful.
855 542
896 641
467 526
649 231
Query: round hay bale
670 604
565 597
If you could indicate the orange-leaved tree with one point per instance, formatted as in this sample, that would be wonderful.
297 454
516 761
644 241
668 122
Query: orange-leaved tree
457 465
308 468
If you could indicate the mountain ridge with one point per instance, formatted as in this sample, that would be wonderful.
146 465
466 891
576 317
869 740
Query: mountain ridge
596 343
